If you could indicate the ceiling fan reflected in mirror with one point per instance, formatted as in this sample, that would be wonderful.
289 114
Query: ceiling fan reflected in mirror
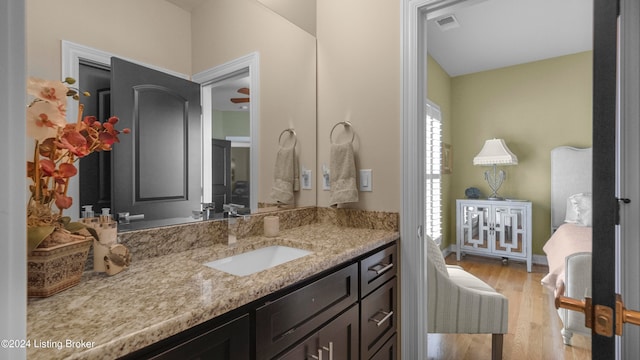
244 91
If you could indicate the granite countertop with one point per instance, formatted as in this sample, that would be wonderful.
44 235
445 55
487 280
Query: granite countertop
106 317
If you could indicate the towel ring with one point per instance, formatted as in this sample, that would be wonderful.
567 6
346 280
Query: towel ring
345 124
292 132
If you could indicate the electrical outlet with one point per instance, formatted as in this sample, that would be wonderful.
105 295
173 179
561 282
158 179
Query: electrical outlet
306 179
366 179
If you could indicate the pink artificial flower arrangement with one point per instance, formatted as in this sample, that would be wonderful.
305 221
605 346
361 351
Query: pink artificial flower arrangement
58 145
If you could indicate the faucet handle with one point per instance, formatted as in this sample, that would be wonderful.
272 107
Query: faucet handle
232 209
126 218
210 205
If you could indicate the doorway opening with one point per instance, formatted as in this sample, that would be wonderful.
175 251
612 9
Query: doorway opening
230 111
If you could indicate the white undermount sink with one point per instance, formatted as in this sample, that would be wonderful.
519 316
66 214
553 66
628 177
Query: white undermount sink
257 260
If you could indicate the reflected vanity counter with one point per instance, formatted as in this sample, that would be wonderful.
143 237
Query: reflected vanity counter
157 297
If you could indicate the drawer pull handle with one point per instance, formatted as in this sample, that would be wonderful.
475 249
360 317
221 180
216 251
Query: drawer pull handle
380 268
386 317
317 357
329 349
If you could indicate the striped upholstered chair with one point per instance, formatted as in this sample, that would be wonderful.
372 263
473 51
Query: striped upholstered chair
460 303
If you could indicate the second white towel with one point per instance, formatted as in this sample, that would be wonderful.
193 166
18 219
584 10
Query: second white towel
342 172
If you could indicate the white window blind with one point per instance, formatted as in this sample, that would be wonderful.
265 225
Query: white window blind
433 156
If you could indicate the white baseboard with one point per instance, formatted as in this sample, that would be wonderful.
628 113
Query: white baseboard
539 259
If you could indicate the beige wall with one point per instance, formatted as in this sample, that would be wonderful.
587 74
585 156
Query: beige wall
359 80
439 92
122 27
300 12
534 107
287 75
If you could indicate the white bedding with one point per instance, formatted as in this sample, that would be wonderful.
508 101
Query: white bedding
567 240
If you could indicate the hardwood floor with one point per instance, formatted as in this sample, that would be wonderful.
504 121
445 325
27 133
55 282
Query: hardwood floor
534 325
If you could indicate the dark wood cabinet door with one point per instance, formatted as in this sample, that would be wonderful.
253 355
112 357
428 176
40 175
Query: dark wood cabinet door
230 341
339 339
304 351
388 351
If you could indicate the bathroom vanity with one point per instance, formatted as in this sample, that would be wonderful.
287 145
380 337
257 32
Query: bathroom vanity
338 302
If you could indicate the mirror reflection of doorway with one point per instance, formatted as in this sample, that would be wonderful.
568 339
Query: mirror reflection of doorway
231 126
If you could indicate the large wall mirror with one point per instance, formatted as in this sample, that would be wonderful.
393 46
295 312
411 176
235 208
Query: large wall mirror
203 35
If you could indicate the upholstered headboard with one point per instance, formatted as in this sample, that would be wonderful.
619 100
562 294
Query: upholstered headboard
570 174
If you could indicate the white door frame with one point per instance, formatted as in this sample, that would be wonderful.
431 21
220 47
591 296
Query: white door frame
13 183
412 211
628 346
250 64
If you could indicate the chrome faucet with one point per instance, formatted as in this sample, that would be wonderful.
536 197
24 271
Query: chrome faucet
231 213
208 210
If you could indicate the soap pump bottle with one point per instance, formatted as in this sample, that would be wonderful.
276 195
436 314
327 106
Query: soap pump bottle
87 211
105 217
88 216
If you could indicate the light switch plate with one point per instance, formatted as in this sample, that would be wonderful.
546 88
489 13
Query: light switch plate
366 179
306 179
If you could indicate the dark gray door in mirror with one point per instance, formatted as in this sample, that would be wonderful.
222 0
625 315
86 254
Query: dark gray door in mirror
156 169
221 174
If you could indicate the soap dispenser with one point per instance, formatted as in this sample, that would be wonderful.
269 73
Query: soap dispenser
88 216
105 217
107 231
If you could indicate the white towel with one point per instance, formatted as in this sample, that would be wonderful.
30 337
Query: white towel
286 177
342 172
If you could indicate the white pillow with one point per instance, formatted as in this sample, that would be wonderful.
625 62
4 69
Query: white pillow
571 215
581 204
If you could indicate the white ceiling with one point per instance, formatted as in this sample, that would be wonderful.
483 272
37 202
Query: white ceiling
499 33
222 93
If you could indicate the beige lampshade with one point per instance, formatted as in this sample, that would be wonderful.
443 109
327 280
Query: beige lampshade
495 152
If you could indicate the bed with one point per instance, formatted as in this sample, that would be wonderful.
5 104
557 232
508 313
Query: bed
568 249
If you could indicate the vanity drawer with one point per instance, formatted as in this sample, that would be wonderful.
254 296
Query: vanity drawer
288 319
389 350
378 318
376 269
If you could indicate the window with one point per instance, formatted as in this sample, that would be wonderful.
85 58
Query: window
433 169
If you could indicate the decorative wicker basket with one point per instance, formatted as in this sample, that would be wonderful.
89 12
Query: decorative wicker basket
57 268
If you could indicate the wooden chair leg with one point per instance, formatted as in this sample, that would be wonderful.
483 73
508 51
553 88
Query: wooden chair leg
496 346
